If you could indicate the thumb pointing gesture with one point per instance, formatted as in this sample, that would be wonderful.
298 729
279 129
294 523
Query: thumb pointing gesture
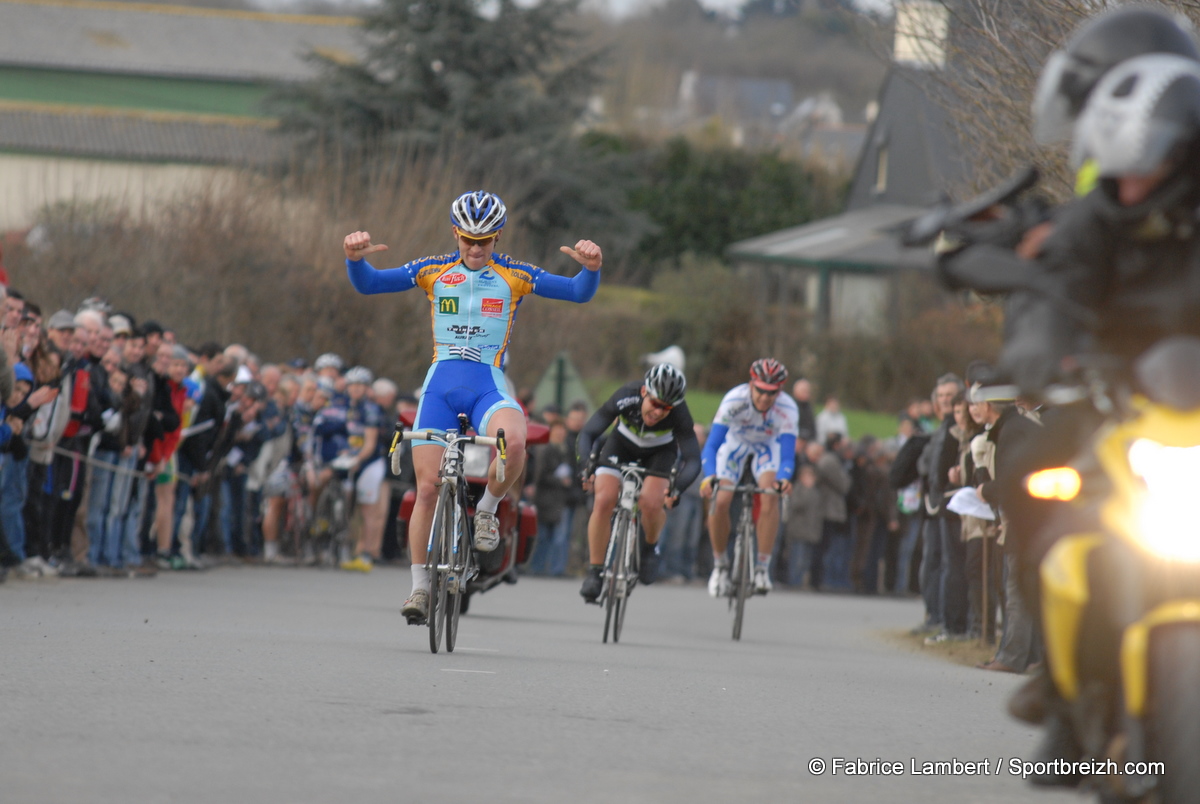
358 245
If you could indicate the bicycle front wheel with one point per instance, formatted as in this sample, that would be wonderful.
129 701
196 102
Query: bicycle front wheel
629 569
743 559
460 566
437 563
613 568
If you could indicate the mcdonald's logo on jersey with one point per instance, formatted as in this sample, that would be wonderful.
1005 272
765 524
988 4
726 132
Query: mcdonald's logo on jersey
448 304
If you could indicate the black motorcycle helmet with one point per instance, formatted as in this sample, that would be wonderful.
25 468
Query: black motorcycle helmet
1096 47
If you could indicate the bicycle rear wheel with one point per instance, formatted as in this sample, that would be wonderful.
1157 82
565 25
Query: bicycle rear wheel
612 568
439 553
630 570
743 553
460 562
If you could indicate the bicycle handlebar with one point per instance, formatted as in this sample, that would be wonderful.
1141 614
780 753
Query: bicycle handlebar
450 439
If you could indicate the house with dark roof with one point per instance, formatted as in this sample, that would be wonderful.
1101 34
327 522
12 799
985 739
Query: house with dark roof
141 101
844 270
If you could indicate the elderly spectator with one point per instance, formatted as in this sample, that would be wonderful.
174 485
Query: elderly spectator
831 420
943 566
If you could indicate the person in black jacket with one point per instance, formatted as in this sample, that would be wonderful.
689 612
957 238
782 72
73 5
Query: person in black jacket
943 579
654 429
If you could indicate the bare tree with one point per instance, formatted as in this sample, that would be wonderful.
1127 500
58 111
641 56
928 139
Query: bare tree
994 53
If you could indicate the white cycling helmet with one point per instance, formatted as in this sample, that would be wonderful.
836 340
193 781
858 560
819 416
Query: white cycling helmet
1141 114
478 213
328 360
359 374
666 383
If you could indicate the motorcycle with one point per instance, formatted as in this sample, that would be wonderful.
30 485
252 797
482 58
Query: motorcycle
1120 585
517 518
1121 595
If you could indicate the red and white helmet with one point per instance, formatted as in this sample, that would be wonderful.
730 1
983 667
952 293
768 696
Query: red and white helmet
767 374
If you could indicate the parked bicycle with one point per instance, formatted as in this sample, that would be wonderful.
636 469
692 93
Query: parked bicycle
451 562
745 546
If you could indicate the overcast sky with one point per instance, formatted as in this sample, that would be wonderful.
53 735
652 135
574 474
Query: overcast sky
622 7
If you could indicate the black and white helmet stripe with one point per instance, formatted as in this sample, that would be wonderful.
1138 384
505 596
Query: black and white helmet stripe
1139 114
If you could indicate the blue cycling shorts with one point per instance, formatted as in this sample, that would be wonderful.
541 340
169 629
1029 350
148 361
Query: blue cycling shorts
461 386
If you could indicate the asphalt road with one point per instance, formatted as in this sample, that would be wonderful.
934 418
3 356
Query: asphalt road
250 684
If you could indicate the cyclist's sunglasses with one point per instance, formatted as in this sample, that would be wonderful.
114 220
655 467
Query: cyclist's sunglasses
658 404
765 391
475 241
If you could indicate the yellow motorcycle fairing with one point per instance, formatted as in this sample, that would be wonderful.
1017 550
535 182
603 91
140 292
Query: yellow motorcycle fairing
1135 646
1065 594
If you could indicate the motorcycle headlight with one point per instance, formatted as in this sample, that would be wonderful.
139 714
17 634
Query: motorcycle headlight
1167 518
476 460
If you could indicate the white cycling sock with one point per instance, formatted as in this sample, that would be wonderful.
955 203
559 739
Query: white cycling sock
420 577
764 561
488 502
720 561
270 550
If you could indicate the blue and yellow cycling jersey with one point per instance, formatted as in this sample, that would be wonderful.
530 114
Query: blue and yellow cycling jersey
473 311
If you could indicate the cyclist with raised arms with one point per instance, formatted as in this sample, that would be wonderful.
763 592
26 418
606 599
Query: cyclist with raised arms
754 419
473 295
654 429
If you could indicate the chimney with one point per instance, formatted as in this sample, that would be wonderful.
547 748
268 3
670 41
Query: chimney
921 28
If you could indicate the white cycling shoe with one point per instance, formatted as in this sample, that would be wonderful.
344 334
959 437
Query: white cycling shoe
762 581
487 531
718 582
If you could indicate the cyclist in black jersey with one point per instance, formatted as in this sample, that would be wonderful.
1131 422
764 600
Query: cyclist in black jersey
654 429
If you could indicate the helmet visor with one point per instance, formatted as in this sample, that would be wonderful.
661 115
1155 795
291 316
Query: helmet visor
1052 116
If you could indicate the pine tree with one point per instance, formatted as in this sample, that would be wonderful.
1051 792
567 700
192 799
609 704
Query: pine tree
442 68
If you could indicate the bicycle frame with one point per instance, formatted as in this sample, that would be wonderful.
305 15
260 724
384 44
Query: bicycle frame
745 548
450 554
622 559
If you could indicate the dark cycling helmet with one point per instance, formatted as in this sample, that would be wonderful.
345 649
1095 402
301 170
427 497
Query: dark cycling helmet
666 383
478 213
328 360
359 374
768 373
1095 48
1144 112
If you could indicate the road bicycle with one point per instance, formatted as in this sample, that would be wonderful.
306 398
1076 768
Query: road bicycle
623 560
451 558
745 546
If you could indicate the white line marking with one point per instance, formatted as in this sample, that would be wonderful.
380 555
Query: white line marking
454 670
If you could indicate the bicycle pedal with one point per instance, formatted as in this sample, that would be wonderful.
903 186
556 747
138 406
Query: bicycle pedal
417 620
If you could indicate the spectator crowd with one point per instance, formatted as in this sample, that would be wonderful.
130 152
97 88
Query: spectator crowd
125 453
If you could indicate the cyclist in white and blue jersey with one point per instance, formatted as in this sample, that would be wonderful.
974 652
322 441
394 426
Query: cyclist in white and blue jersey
755 420
473 295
